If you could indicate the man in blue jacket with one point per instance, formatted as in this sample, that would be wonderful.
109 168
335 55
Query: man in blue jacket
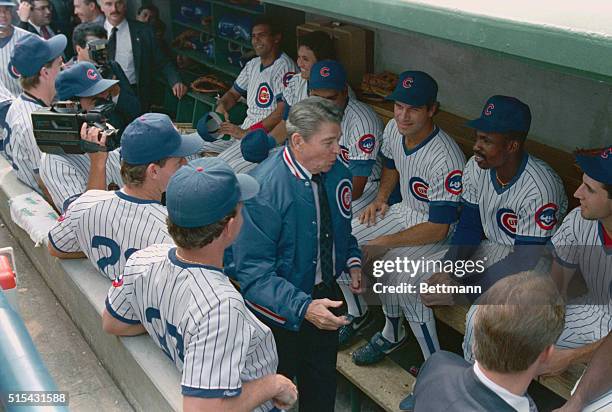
296 240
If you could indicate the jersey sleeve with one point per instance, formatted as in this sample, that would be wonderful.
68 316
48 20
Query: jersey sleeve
63 236
445 187
539 214
280 80
565 242
469 182
386 149
363 139
216 353
241 85
118 299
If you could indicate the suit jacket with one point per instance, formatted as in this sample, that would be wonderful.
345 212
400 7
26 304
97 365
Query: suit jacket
148 60
447 382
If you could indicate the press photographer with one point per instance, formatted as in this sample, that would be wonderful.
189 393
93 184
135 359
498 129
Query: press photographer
66 176
89 41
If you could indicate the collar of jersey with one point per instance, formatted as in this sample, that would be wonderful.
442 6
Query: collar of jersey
423 143
600 233
176 261
133 199
498 188
29 98
294 167
262 67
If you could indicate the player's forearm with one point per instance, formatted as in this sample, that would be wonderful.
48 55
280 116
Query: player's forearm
97 176
253 394
279 133
227 101
421 234
388 180
597 379
115 327
275 117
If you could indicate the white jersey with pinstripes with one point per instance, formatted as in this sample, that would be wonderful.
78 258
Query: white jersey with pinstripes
197 317
109 227
20 146
296 90
263 87
430 173
579 243
66 176
9 77
529 208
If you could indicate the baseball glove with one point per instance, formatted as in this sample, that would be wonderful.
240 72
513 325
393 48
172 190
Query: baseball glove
183 40
209 84
381 84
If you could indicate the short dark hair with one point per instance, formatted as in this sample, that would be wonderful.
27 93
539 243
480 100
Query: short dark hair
263 20
198 237
320 43
88 2
84 30
134 175
151 7
608 188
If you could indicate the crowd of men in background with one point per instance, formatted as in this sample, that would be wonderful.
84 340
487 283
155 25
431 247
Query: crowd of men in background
329 191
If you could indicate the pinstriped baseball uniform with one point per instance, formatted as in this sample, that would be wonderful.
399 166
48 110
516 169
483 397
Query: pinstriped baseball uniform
263 88
108 227
7 74
6 99
19 144
196 316
579 244
362 133
530 208
66 176
430 180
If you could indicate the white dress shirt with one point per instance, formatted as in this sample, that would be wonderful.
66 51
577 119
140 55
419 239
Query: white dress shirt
520 403
124 54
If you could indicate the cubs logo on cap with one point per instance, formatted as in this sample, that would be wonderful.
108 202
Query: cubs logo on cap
324 72
418 189
453 182
264 96
407 83
488 109
546 216
366 143
344 197
13 71
507 221
91 74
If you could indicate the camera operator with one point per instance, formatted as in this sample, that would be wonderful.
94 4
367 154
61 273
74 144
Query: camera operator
88 40
67 176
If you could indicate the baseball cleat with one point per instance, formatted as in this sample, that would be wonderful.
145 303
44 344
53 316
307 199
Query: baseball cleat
348 332
375 350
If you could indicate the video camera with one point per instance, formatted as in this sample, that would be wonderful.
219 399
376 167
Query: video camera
57 129
98 53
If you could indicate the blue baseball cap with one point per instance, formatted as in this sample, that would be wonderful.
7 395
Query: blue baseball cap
503 114
256 145
327 74
205 190
81 80
415 88
32 52
152 137
208 126
596 164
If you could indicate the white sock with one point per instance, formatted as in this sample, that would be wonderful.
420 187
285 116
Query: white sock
394 329
356 304
426 336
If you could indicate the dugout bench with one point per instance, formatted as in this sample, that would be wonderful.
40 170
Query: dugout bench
387 383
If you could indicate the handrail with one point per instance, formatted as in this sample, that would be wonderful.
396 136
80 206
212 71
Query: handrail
21 367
